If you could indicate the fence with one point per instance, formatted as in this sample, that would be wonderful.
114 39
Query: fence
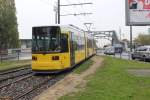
123 55
15 56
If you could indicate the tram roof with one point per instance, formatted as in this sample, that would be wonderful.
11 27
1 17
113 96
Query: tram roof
63 26
67 28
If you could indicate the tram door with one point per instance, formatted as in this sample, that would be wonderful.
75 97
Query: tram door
72 49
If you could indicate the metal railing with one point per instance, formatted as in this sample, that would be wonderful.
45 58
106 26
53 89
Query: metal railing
122 55
15 56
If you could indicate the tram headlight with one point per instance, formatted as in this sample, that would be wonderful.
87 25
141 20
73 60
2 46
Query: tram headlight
55 58
34 58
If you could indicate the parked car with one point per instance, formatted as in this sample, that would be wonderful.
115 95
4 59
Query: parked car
145 53
142 53
109 51
136 53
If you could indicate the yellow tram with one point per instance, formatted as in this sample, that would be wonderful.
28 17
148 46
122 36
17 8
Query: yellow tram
59 47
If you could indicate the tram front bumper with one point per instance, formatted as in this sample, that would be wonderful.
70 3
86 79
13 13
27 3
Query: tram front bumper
47 65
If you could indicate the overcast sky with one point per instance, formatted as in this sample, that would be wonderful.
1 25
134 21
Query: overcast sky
107 15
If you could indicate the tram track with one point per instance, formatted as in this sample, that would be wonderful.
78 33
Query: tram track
17 84
33 88
20 79
10 75
22 84
15 70
25 85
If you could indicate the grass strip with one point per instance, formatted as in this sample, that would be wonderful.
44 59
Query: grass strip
112 82
9 65
85 65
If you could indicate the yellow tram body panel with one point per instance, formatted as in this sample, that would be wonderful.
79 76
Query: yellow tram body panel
91 51
79 56
56 61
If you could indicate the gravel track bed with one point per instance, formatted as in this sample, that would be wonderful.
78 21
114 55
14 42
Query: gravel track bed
17 89
39 90
10 76
12 80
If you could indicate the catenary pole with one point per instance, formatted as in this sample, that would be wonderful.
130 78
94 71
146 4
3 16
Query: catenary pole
58 11
131 39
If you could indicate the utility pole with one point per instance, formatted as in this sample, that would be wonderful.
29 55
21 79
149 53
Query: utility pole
58 11
120 32
130 38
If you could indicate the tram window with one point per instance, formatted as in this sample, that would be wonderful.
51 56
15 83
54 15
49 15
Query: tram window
83 44
89 43
75 42
74 39
46 39
79 43
64 43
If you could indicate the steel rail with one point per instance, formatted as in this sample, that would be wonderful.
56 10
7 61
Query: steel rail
20 79
34 88
12 77
15 70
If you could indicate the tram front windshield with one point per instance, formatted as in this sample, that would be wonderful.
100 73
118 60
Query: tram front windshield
46 39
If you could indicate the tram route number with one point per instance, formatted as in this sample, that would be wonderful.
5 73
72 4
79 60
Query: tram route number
5 98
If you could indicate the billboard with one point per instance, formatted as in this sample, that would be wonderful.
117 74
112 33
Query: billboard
137 12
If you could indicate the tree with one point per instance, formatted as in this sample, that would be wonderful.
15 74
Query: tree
143 39
9 37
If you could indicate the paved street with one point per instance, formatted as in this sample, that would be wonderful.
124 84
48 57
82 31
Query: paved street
124 55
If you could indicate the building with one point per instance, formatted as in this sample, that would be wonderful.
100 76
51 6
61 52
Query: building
26 43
